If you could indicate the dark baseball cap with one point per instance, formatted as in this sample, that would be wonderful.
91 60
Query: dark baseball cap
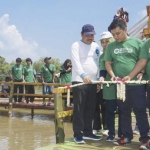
88 29
47 58
28 59
18 60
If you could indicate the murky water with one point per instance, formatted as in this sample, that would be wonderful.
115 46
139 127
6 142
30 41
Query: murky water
20 132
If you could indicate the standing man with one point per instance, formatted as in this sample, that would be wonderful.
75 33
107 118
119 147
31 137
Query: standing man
29 77
124 54
16 73
47 76
85 58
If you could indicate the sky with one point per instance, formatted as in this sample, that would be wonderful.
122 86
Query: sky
47 28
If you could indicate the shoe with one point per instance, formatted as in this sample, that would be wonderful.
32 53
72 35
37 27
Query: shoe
79 140
105 132
110 139
145 145
97 132
122 141
136 130
92 137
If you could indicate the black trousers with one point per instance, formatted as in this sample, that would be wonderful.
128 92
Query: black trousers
84 98
136 99
30 90
20 88
100 123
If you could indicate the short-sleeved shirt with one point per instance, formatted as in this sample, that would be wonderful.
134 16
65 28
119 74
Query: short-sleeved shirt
123 55
17 71
48 75
145 54
66 77
29 73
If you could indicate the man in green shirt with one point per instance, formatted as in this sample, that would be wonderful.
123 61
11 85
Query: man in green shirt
47 76
29 77
16 73
120 58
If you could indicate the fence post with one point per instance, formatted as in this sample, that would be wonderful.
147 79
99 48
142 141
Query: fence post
10 98
59 126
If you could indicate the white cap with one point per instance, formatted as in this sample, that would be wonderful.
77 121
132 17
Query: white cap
105 35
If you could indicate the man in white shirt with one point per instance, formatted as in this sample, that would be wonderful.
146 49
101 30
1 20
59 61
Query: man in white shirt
85 58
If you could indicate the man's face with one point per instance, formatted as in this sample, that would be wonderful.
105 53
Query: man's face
18 63
88 39
28 62
119 34
47 61
104 43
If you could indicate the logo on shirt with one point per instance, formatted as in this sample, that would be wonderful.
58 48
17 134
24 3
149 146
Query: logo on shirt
18 68
97 52
123 50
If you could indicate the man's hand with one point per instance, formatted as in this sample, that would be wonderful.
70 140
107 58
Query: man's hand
98 88
86 80
101 79
113 78
127 78
43 82
140 76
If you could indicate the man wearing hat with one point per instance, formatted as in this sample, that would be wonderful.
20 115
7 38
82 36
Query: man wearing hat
85 56
47 76
16 73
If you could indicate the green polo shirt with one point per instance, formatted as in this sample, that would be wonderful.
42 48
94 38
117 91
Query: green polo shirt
17 71
29 73
47 75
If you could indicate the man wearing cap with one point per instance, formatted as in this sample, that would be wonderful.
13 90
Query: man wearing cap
47 76
16 73
29 77
85 57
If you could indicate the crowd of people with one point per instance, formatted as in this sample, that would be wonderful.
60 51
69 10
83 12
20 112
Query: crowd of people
27 73
122 57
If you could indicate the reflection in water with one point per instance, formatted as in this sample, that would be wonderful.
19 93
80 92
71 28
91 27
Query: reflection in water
20 132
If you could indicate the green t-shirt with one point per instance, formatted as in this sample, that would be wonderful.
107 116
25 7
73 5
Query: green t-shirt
102 62
145 54
17 71
109 93
66 77
47 75
29 73
123 55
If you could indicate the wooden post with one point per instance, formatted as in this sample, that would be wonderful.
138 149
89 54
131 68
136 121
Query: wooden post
32 112
11 98
59 126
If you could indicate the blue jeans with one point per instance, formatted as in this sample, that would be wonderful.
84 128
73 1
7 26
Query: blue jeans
48 89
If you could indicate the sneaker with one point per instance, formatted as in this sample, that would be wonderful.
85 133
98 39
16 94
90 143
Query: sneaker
136 130
92 137
105 132
110 139
97 132
79 140
145 145
122 141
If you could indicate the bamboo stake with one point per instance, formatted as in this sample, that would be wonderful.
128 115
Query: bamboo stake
59 126
10 99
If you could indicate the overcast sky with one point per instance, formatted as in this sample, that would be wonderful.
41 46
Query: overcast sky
40 28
